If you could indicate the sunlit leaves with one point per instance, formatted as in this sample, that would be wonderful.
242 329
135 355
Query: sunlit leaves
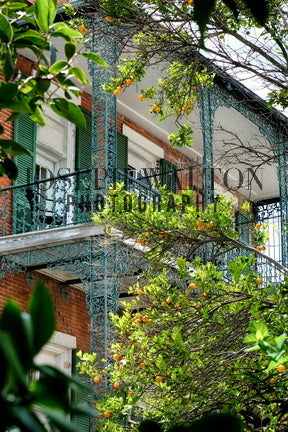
28 94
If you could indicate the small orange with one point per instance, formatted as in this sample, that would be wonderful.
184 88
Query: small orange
83 29
258 225
130 394
109 18
142 365
128 81
159 378
192 286
272 380
97 379
140 292
107 414
119 89
106 242
155 303
259 281
204 294
177 305
141 97
116 92
281 368
116 357
116 384
169 300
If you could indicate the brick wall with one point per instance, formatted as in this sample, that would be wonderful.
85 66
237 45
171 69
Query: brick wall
71 316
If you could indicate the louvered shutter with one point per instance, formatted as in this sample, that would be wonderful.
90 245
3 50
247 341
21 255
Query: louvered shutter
82 422
122 152
243 227
25 134
168 175
84 144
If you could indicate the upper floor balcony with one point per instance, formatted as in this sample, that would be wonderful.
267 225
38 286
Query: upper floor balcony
60 201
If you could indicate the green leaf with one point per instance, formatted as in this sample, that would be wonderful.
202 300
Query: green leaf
6 30
259 10
259 328
9 168
37 116
69 111
7 351
95 58
42 15
60 420
26 419
17 325
42 315
8 65
52 9
30 36
79 74
70 49
8 92
202 12
57 67
250 339
232 5
63 30
13 147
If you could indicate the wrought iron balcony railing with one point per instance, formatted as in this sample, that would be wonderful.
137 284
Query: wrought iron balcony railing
60 201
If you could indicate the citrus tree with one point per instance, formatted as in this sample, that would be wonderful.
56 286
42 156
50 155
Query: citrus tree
34 28
181 348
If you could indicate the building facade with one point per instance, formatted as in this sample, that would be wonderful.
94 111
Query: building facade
46 215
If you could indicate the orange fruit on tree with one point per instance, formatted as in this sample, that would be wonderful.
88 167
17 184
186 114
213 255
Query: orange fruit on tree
129 81
97 379
142 365
169 300
281 368
116 357
107 414
116 92
119 89
130 394
259 281
177 305
109 18
116 384
141 97
83 29
272 380
192 286
159 378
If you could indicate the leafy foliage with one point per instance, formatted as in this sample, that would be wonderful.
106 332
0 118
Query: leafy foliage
33 397
180 347
33 27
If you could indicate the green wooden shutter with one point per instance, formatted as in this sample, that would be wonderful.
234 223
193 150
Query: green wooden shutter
84 144
25 134
82 422
243 227
122 152
168 175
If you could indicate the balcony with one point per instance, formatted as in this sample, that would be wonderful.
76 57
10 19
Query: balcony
61 201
